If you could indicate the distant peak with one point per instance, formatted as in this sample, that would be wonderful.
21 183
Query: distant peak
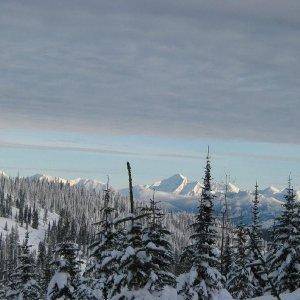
270 190
178 175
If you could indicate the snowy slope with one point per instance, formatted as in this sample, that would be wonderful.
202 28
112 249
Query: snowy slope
35 235
174 184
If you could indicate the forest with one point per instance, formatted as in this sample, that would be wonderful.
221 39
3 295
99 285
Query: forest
64 242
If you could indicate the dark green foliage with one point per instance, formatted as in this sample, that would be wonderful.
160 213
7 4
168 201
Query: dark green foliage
240 278
23 280
66 277
285 258
202 255
35 219
158 248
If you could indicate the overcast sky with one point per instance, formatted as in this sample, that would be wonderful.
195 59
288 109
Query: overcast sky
178 70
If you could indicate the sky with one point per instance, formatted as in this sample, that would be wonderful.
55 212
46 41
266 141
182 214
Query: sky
87 85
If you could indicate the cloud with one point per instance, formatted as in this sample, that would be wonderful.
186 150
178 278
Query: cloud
223 69
166 154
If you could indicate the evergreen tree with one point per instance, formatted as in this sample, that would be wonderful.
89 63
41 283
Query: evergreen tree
204 277
104 250
227 257
134 260
240 277
43 264
158 248
64 282
24 283
285 259
226 251
11 255
35 219
255 244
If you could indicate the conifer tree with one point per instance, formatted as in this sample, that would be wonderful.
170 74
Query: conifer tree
240 277
64 282
104 250
24 281
43 264
204 277
35 219
226 253
255 244
134 260
285 259
158 248
227 257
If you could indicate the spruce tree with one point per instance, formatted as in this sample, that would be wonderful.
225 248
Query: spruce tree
134 260
227 256
104 250
24 280
285 259
240 278
158 248
35 219
64 282
43 264
203 277
255 244
226 251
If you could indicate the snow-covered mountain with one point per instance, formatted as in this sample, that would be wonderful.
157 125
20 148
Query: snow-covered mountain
178 193
79 182
177 184
47 177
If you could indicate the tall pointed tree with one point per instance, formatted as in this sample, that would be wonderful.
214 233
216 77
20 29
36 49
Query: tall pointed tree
25 284
134 260
159 249
285 259
103 263
226 253
203 278
240 278
64 282
255 244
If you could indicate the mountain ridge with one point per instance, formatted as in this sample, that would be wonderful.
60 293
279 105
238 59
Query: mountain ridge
177 193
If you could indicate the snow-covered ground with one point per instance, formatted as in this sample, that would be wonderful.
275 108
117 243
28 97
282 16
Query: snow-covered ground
171 294
35 235
286 296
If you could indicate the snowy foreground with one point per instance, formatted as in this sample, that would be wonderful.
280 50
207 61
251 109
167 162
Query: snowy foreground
171 294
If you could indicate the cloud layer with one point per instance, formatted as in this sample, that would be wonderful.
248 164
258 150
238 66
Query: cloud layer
225 69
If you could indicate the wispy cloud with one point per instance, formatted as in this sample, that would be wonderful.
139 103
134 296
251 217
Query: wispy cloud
182 155
227 69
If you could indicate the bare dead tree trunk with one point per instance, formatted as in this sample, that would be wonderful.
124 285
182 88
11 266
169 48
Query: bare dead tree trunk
130 188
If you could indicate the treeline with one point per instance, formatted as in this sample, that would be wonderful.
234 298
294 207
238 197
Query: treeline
131 253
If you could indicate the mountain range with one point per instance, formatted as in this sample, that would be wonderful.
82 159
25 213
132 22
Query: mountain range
178 193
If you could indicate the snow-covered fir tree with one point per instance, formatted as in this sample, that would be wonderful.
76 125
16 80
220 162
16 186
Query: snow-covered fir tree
104 254
64 282
134 260
203 278
226 247
255 245
240 277
24 284
158 248
227 257
285 258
